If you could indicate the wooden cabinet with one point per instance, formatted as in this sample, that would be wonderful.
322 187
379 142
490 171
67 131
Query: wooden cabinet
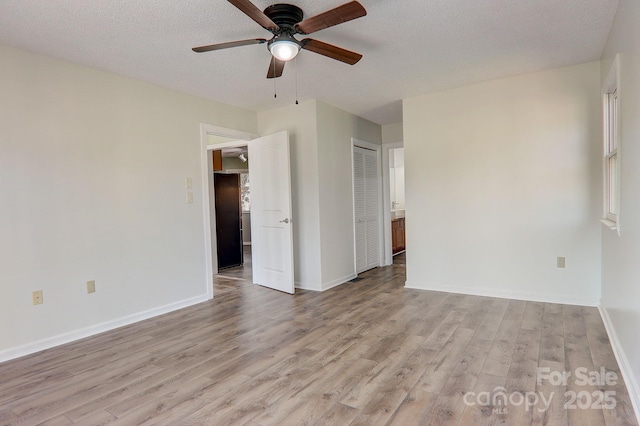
397 235
217 160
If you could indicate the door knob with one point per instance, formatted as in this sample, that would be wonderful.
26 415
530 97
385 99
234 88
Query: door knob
285 220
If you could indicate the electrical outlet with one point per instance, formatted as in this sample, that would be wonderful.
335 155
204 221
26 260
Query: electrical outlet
560 262
91 286
37 297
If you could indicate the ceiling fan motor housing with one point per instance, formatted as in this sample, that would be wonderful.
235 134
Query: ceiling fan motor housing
285 16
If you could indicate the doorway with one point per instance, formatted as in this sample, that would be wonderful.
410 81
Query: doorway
272 252
394 208
228 220
396 186
232 200
232 196
234 250
215 138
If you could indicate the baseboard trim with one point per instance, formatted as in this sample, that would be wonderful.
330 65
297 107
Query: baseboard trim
633 388
82 333
325 286
529 297
307 287
337 282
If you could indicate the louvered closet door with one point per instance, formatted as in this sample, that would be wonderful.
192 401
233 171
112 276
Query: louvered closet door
365 180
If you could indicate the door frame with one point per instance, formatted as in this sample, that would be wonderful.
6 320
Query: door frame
381 237
210 240
386 194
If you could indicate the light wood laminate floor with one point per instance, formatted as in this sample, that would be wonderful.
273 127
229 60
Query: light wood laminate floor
364 353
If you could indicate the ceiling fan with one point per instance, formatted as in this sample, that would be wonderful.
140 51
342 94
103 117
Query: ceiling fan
286 20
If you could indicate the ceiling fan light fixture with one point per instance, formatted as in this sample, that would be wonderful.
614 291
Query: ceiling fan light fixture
284 48
284 21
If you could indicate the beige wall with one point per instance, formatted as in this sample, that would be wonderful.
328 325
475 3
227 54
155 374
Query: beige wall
335 130
301 123
501 178
234 163
392 133
620 254
92 172
321 172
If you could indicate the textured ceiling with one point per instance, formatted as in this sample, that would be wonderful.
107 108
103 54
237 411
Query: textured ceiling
410 47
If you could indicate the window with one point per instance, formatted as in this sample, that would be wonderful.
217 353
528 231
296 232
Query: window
611 184
245 193
611 156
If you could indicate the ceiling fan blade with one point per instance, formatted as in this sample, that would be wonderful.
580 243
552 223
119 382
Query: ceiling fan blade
340 14
275 68
229 44
331 51
256 14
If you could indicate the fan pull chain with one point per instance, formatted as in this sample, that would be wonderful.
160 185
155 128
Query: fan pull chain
275 92
295 66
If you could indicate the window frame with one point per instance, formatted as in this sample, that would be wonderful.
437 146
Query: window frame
611 148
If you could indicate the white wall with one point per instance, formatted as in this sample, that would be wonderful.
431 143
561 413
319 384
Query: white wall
300 121
501 178
321 173
392 133
92 177
620 254
335 130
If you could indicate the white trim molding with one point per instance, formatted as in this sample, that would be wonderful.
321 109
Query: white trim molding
501 294
338 281
61 339
633 388
303 286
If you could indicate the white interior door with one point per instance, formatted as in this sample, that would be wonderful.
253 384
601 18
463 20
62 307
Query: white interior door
271 229
367 221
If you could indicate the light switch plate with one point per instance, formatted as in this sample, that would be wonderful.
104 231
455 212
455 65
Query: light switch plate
188 183
91 286
561 262
189 197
